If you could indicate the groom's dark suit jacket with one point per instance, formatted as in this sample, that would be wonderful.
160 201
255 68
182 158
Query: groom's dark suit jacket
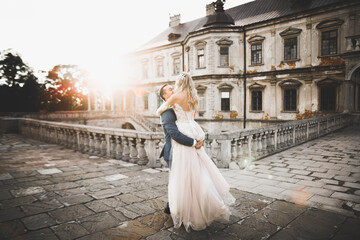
171 131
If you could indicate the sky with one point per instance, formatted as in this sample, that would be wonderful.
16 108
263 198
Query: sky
93 34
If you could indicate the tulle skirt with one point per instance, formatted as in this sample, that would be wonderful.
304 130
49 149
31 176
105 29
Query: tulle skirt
198 193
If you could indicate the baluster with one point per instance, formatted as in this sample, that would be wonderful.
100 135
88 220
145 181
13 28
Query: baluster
265 136
85 142
143 158
103 145
253 148
158 147
214 151
208 147
119 148
112 152
259 145
133 151
126 149
233 163
96 144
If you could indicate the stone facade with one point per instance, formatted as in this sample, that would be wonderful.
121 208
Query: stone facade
294 65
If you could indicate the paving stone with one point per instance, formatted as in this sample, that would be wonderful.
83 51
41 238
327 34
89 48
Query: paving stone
158 220
38 221
75 199
312 169
149 194
311 183
352 185
303 227
105 193
336 188
10 214
326 200
347 179
150 170
127 213
43 234
114 177
320 191
49 171
41 206
27 191
140 208
130 230
60 186
323 175
5 176
70 230
11 230
99 222
345 196
349 230
18 201
98 206
70 213
95 236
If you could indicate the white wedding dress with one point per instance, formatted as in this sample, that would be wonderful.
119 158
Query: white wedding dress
198 193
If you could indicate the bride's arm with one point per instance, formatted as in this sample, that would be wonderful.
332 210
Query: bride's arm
167 104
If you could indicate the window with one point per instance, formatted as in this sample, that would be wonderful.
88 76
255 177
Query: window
224 45
202 102
329 42
256 54
159 100
224 56
176 67
145 67
290 99
256 100
225 101
159 68
328 98
146 102
290 48
201 58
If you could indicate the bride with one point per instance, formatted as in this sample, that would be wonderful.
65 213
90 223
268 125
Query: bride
198 193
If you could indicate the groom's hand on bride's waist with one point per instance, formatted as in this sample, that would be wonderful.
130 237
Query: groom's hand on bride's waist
198 145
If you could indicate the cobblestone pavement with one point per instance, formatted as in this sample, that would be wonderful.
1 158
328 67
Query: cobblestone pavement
47 192
324 173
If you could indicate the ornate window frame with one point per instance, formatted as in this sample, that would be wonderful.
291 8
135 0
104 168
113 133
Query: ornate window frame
200 45
225 87
201 89
176 56
290 33
328 82
159 60
256 40
224 43
326 26
257 87
145 68
286 85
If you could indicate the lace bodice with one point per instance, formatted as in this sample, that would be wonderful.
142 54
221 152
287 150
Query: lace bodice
187 124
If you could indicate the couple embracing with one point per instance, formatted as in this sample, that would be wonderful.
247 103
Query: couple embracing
198 194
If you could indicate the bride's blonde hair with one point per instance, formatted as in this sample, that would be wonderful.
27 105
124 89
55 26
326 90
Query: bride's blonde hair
185 82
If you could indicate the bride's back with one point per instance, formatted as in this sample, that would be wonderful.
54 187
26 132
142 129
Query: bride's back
182 99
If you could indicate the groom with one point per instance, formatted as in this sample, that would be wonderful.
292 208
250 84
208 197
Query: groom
171 131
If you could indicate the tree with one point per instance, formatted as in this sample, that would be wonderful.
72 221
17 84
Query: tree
20 90
65 89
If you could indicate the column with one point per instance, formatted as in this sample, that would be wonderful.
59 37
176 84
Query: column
273 98
348 102
89 101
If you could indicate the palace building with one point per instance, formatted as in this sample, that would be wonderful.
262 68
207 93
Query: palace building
261 62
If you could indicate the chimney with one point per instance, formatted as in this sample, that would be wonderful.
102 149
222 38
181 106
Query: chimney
210 9
174 20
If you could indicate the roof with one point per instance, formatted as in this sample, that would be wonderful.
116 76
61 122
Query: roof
244 15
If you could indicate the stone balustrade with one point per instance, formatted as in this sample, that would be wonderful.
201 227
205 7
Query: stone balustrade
237 149
128 145
353 43
234 149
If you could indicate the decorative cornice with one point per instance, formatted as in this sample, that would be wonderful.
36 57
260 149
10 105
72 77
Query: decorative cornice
225 87
224 41
290 83
159 58
175 54
200 44
201 88
257 86
256 38
290 31
335 22
328 81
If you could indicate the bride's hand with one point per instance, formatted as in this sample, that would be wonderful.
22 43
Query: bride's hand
162 108
167 104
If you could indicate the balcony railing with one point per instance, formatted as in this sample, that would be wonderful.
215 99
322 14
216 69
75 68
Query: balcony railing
234 149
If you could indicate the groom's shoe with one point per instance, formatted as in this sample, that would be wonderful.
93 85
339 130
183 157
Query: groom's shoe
167 209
